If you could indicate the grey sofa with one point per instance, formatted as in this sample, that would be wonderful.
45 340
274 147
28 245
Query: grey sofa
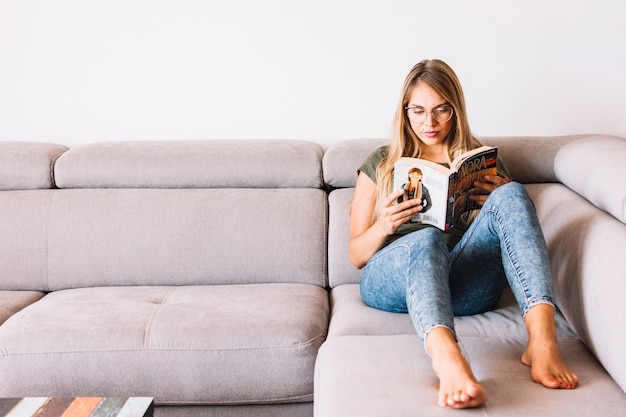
213 276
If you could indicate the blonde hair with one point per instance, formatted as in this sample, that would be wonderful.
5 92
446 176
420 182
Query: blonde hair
404 142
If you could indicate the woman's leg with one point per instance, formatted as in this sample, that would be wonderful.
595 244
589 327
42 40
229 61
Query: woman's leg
412 275
506 232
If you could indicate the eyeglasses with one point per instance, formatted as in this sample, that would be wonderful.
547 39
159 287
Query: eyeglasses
418 114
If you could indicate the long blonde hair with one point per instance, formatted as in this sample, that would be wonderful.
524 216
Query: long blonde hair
404 142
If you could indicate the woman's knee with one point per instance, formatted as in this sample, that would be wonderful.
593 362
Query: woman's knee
512 194
429 237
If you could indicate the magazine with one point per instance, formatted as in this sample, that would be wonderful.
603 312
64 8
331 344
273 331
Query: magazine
444 191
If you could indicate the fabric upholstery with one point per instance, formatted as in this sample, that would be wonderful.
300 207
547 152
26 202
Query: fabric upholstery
28 165
577 166
99 237
13 301
351 316
530 159
23 225
340 270
585 247
341 161
231 344
192 164
372 376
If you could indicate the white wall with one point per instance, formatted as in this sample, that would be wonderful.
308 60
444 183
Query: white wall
79 71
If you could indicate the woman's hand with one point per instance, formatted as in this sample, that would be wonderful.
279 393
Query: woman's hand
367 237
488 185
392 215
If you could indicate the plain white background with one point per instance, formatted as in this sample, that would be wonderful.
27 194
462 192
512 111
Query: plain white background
80 71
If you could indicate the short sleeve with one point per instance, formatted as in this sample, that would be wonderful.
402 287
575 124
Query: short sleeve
369 166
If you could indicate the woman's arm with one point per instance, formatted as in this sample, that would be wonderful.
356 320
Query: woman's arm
367 237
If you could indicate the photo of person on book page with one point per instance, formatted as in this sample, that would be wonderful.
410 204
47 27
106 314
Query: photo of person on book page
434 274
414 188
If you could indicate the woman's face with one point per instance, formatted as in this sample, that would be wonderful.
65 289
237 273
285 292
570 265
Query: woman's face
423 101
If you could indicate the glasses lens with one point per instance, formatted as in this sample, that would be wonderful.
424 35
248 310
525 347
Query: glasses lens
440 114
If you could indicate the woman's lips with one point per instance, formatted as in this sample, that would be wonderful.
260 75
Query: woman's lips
431 134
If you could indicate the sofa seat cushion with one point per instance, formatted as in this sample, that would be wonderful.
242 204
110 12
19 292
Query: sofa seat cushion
13 301
372 376
351 316
231 344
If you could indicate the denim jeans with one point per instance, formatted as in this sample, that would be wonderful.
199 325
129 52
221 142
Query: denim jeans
419 274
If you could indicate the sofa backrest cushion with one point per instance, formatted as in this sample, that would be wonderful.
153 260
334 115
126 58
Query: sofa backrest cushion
58 239
576 166
192 164
529 159
28 165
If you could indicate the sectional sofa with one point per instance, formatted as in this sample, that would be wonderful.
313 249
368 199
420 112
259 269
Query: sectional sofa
213 276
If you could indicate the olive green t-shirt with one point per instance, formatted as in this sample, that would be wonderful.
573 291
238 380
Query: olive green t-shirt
451 236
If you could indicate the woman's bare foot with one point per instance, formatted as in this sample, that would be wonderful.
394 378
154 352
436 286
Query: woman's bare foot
542 354
547 367
458 388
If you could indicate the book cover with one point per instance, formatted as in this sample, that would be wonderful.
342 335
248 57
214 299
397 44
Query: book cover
444 191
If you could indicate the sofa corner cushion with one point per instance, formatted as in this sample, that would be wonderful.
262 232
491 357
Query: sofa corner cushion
28 165
372 376
586 255
594 167
192 164
231 344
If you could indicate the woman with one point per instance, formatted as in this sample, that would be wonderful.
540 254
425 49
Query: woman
434 275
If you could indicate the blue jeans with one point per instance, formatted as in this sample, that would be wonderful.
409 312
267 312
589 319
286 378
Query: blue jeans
419 274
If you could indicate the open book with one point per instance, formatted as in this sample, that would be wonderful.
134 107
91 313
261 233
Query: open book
444 191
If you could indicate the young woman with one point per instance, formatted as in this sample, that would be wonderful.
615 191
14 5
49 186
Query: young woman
434 275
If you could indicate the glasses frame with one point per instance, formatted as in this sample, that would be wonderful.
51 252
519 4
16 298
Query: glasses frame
431 112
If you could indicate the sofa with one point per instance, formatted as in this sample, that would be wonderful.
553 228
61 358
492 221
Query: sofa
214 277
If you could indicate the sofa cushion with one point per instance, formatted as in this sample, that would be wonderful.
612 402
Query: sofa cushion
340 269
529 159
28 165
577 166
13 301
60 239
192 164
341 161
372 376
233 344
351 316
588 270
23 245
